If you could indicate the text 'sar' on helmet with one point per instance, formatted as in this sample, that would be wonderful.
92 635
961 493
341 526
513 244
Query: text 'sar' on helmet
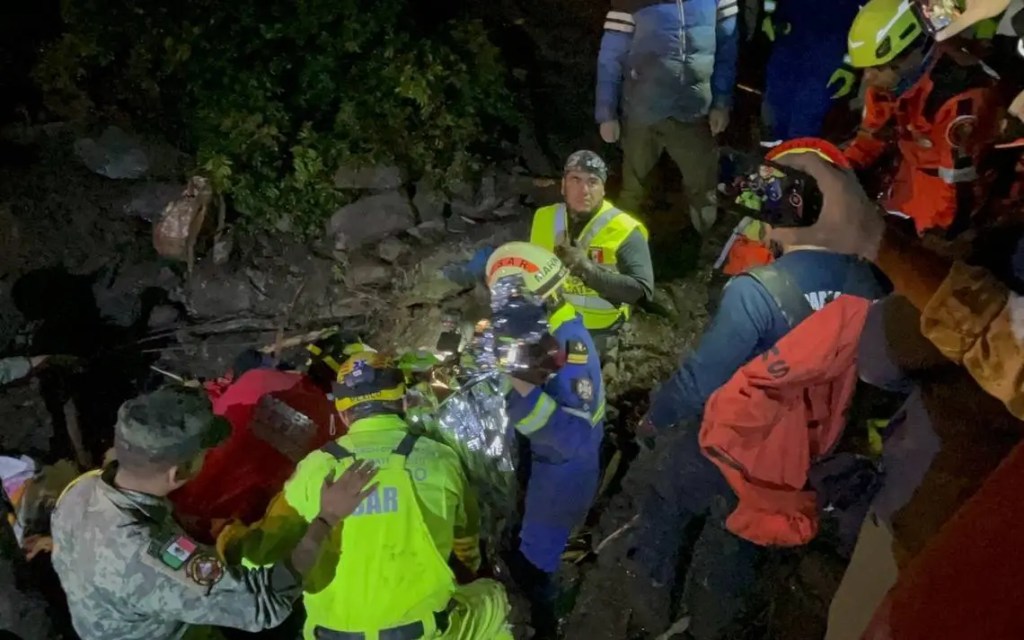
882 31
367 376
541 271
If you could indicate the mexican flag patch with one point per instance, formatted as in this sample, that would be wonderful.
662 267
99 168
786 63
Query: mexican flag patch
177 552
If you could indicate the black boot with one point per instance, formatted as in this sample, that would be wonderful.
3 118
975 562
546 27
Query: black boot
540 589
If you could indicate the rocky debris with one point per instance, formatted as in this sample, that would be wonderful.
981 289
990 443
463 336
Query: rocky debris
370 219
392 249
163 316
376 178
429 202
119 291
216 292
222 248
367 272
149 200
429 232
114 154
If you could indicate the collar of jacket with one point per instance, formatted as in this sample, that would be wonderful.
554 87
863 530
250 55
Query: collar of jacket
560 316
383 422
154 507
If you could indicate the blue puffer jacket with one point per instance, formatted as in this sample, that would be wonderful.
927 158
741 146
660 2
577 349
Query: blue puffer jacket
663 60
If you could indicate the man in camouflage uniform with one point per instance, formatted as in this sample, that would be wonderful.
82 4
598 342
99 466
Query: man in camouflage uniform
127 567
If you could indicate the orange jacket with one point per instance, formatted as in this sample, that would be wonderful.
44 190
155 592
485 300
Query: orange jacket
944 126
777 415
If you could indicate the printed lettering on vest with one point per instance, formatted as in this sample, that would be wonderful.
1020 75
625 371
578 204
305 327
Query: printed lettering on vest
818 299
382 500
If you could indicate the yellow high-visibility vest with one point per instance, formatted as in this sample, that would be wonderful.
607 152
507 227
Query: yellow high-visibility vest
601 238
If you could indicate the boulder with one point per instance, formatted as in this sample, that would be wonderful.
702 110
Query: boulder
367 272
370 219
215 292
429 202
149 200
119 290
391 249
376 178
114 154
429 232
494 190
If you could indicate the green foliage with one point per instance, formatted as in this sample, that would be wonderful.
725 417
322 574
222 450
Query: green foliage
274 96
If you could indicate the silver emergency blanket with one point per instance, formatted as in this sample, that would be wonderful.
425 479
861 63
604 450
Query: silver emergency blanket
474 422
519 320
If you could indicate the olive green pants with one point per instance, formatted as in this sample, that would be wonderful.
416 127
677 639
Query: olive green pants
691 146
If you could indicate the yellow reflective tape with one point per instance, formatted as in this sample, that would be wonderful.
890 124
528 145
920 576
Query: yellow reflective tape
538 417
577 358
599 413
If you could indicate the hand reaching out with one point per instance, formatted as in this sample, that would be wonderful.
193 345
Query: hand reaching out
340 497
974 11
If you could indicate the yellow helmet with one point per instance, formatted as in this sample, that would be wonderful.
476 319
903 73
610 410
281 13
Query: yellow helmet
542 272
882 31
367 376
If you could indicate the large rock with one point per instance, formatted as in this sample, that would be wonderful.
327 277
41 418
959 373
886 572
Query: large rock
367 272
391 250
215 292
119 290
480 202
429 202
379 178
371 219
148 200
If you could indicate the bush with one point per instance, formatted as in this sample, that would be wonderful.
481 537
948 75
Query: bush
273 96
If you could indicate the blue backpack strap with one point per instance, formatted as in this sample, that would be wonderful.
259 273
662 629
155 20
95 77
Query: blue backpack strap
337 451
787 295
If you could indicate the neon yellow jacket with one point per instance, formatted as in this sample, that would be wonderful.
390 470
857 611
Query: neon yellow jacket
601 238
448 504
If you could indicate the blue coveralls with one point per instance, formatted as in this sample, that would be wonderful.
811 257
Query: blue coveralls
797 96
564 423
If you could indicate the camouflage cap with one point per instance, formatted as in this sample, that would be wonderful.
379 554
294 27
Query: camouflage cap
170 425
587 162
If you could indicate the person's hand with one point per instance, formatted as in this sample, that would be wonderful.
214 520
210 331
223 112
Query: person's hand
1017 107
610 131
849 223
574 258
974 11
339 498
718 120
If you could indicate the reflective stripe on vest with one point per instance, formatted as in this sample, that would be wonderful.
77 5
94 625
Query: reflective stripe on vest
550 228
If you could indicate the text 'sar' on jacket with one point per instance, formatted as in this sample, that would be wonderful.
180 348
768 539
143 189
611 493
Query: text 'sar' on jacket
662 60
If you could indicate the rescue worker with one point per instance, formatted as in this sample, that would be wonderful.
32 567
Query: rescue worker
386 574
129 570
757 309
604 248
940 109
801 81
671 66
277 418
557 404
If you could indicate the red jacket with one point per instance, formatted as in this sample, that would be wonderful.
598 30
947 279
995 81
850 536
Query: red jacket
944 126
777 415
239 477
967 582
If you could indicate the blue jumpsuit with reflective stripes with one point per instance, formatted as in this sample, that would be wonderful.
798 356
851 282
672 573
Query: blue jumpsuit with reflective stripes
564 422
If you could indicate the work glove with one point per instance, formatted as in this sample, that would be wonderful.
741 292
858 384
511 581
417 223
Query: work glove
610 131
575 259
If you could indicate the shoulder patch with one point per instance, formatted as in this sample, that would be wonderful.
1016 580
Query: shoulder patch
577 352
584 388
205 569
176 552
960 131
